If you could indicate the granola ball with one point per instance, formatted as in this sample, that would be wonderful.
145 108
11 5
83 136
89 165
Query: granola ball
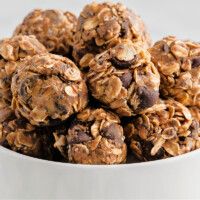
101 24
53 28
167 129
95 137
179 65
124 79
22 137
11 51
47 89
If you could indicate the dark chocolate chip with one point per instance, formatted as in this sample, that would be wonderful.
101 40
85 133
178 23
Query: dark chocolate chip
7 80
79 138
196 62
146 148
166 48
79 134
113 132
123 63
147 97
181 138
126 79
61 108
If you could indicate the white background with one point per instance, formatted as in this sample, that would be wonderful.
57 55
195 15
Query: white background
163 17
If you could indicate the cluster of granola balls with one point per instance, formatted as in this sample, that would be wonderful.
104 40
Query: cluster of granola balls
94 90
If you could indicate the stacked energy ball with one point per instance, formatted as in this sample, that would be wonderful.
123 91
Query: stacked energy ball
94 90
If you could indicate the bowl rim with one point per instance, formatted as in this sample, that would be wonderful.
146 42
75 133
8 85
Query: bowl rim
103 166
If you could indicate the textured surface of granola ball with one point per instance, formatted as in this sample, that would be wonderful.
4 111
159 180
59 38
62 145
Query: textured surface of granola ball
22 137
53 28
95 137
167 129
124 79
5 110
195 111
11 51
47 89
179 65
101 24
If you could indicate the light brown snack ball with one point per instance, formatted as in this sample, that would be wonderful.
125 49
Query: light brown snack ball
124 78
53 28
165 130
22 137
100 24
95 137
48 89
179 65
12 50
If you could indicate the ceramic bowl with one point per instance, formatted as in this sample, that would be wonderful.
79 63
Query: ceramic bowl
26 177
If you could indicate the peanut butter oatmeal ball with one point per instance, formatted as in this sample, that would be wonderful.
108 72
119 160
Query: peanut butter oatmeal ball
53 28
101 24
95 137
179 65
11 51
124 79
167 129
22 137
47 89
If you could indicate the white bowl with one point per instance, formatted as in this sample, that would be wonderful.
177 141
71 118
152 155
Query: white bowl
25 177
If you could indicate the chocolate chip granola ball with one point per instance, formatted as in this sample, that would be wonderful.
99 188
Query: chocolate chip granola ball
100 24
11 51
48 89
22 137
95 137
124 79
179 65
53 28
167 129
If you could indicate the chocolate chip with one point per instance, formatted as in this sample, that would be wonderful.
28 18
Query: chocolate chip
123 63
181 138
60 108
166 48
123 55
113 132
7 80
126 79
147 97
79 138
78 134
196 62
146 147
